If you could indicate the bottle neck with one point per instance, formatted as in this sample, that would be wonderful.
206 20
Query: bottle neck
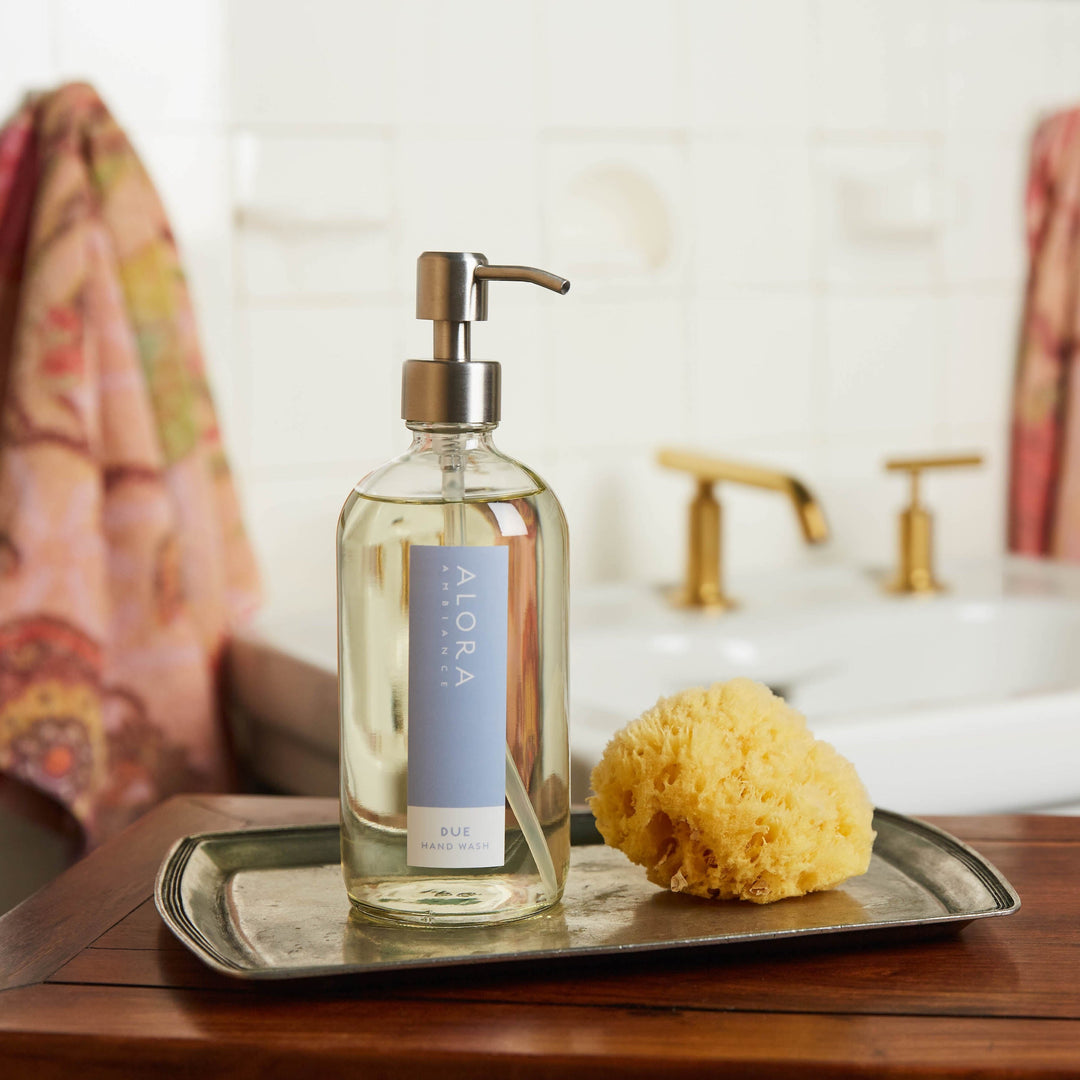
445 438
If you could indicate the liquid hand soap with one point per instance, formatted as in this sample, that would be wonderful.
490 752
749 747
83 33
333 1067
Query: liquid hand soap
452 645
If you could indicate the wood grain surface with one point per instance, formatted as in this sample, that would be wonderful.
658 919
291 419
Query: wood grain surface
95 984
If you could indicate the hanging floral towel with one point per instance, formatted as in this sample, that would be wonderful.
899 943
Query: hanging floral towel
123 560
1044 497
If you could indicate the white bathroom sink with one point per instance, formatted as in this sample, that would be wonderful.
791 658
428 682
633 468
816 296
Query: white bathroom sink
962 703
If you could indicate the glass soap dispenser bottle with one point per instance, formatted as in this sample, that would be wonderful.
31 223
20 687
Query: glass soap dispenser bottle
452 645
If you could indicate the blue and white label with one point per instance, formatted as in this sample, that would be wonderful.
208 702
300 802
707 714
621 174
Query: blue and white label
458 600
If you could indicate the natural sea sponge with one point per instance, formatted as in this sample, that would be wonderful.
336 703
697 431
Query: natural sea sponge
725 793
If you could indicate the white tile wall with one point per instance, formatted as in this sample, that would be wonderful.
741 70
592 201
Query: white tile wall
607 63
749 65
321 390
627 516
321 63
752 211
310 180
877 67
1064 49
970 503
883 355
756 345
620 374
981 335
879 214
293 521
27 56
611 213
314 215
794 230
157 65
445 80
984 181
1002 64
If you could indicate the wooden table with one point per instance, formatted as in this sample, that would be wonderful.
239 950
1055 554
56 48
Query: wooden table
92 984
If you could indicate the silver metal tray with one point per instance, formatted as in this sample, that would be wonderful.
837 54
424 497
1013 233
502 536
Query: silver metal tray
270 904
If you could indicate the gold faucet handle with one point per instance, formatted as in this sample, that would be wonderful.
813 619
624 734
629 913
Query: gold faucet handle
713 470
934 461
915 573
915 465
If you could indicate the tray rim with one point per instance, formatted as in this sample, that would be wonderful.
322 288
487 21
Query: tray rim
173 913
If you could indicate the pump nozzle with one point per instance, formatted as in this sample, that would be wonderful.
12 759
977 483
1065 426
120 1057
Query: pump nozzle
523 273
451 291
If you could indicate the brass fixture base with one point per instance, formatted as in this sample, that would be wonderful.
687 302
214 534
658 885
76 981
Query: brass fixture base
918 586
701 600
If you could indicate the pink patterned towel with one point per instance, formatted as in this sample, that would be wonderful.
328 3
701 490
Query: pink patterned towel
123 559
1044 496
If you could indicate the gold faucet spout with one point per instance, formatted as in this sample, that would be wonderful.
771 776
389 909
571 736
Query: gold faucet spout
703 579
815 528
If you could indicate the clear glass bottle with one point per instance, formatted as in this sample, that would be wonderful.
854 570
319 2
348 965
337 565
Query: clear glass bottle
453 558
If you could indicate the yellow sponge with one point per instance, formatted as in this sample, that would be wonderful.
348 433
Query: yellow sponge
725 793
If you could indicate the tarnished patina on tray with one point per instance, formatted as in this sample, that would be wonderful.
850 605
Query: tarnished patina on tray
270 904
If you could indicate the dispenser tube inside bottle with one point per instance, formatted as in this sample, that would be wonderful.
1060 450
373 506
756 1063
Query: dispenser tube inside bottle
452 464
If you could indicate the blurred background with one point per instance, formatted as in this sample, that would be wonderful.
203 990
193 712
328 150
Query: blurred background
794 230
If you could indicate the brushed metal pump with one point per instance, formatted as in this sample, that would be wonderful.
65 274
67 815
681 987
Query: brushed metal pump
451 291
